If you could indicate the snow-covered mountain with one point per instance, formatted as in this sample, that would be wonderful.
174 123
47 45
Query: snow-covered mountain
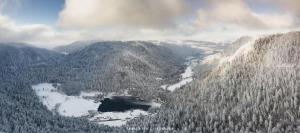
256 89
115 66
73 47
251 86
16 58
21 110
119 67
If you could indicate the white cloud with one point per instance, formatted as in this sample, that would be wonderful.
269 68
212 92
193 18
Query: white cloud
146 20
48 37
234 14
132 13
290 5
275 21
228 12
42 35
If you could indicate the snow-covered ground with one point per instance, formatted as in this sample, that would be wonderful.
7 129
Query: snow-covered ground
83 106
186 77
65 105
117 118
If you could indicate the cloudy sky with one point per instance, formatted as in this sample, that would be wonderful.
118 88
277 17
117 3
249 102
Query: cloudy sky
49 23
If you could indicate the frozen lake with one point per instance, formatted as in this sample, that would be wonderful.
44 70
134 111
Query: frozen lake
123 103
117 110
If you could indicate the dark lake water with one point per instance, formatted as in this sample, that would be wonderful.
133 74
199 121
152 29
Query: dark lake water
123 103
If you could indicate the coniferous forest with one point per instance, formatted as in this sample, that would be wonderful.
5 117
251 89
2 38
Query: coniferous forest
252 85
149 66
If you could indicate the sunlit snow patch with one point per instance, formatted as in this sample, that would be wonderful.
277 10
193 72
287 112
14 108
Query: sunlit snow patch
242 51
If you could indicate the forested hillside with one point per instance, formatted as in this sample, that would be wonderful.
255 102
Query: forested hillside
21 110
253 86
104 67
17 58
255 89
73 47
115 67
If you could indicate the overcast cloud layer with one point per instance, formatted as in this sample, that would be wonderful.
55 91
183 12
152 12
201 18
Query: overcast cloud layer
213 20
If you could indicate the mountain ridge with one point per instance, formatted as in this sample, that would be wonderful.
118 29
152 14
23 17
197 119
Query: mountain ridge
252 92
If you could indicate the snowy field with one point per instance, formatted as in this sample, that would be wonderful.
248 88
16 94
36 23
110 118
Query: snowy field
65 105
82 106
186 77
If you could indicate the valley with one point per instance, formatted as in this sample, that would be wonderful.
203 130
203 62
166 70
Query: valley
101 107
149 66
186 77
116 86
115 109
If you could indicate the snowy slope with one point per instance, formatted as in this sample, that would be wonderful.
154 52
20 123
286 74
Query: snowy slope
256 89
